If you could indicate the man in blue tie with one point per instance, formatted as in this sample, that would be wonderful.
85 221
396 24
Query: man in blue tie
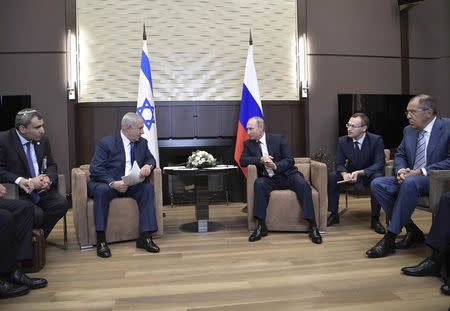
359 160
425 147
26 159
114 157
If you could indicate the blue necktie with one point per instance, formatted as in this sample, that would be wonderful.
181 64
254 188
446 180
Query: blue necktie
35 197
419 161
357 150
132 153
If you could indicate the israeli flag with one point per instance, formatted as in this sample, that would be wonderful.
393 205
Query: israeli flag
146 103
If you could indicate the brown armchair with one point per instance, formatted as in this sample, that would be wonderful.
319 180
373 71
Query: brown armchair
284 212
123 218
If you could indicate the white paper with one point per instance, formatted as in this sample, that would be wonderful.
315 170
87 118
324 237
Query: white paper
180 168
133 178
346 181
221 167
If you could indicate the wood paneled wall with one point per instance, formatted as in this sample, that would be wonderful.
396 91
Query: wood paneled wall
95 120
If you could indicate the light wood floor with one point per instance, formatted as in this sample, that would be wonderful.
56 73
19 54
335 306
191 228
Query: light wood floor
223 271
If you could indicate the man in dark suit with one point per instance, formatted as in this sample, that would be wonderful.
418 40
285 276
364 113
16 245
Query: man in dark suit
425 147
114 158
276 170
16 225
359 159
26 160
439 241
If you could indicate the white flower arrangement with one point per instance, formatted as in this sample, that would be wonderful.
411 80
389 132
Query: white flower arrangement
200 159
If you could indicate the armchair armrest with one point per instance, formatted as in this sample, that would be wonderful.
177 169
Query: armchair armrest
79 204
251 177
62 185
439 184
319 179
12 191
156 179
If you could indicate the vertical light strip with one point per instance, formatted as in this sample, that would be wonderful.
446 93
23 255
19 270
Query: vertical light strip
303 64
71 64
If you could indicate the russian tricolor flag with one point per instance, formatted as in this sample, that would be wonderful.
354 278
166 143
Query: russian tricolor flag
250 104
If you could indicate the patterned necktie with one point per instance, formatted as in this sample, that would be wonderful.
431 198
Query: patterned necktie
30 160
35 197
132 153
419 161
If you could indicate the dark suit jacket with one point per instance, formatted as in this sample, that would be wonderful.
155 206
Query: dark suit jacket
371 158
277 148
108 163
13 161
438 149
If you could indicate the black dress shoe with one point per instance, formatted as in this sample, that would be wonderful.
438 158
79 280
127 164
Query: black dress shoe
258 233
332 219
445 288
383 248
411 238
147 244
377 226
19 278
428 267
9 290
314 234
103 250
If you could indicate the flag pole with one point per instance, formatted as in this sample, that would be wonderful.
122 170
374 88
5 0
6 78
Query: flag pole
144 35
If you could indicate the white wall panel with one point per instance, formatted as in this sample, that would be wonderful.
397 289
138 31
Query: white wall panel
197 48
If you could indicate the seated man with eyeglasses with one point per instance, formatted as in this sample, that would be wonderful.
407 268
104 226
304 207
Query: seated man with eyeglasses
425 147
359 160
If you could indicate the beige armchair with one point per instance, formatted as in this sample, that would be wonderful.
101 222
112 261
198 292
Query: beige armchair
284 212
123 218
439 184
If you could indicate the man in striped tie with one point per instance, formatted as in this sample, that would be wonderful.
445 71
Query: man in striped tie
425 147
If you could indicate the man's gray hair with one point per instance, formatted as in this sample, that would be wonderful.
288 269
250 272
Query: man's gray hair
130 119
24 117
259 121
426 102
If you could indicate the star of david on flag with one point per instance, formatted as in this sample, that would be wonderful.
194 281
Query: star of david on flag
146 104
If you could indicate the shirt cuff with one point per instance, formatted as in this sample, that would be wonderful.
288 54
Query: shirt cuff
424 172
17 181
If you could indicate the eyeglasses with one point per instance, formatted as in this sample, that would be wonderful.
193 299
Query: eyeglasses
414 112
348 125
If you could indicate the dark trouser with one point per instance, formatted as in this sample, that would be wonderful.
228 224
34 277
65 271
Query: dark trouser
363 183
295 182
399 200
143 193
439 236
16 225
49 210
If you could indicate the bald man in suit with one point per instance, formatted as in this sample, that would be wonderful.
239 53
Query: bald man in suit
275 165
